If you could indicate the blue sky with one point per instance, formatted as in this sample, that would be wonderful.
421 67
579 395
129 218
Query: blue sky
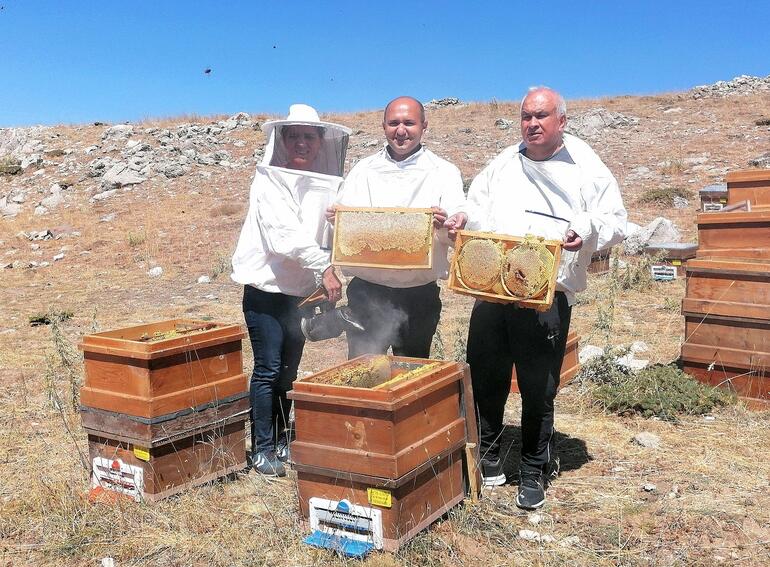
78 62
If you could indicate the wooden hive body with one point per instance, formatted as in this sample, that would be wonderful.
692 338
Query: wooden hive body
752 185
124 374
600 262
674 254
734 234
713 197
498 294
727 325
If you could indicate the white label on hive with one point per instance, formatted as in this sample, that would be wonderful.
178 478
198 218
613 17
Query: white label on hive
114 474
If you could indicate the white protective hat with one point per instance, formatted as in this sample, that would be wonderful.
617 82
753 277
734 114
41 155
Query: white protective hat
331 157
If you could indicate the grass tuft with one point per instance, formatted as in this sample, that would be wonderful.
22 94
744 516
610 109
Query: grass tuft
663 196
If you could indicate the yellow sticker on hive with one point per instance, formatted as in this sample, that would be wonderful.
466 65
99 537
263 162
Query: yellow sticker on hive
379 497
723 200
141 453
676 262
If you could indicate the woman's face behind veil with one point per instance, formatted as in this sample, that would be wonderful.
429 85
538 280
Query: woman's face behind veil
302 145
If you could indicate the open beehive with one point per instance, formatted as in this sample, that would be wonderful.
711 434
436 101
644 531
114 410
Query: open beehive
505 269
398 238
161 368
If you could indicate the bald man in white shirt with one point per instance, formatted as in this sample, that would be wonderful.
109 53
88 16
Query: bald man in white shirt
551 185
401 308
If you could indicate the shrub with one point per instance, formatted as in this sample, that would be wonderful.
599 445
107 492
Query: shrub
663 196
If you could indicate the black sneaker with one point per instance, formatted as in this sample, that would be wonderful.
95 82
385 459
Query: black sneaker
283 450
492 472
267 463
531 494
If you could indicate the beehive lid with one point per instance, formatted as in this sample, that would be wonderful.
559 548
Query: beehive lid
673 250
714 190
161 338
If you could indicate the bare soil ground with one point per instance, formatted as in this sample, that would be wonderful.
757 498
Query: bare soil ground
711 501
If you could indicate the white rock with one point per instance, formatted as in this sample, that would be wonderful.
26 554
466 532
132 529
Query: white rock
674 110
108 218
118 131
633 363
649 487
40 210
529 535
639 346
210 297
108 562
59 256
588 352
103 195
204 280
155 272
52 201
90 149
709 418
535 518
646 439
570 541
547 538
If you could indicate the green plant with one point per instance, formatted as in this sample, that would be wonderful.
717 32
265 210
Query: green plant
672 167
663 196
135 239
9 165
671 304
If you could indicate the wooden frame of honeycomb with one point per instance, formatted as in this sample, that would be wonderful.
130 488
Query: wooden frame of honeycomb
383 237
540 299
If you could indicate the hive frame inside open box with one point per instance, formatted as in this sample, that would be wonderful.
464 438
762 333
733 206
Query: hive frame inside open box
498 294
393 258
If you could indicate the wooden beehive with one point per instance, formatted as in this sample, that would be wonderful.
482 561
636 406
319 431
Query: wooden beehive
161 368
570 366
600 262
407 505
385 431
673 255
164 467
734 234
498 294
727 324
383 237
752 185
713 197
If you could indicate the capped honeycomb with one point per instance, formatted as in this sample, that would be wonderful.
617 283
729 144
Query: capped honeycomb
527 268
379 231
367 374
479 263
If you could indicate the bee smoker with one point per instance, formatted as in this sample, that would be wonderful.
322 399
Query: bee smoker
321 320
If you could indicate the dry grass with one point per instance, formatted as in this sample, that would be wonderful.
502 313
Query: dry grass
711 505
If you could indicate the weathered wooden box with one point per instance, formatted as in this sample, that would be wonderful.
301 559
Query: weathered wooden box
735 234
570 366
497 292
161 368
600 262
403 506
727 324
672 256
713 197
383 237
168 466
752 185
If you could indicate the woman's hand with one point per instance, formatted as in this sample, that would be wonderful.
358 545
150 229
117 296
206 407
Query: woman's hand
332 285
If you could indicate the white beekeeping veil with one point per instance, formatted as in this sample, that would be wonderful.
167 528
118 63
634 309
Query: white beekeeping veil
334 141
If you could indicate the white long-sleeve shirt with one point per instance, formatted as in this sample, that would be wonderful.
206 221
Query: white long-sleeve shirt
422 180
574 184
279 248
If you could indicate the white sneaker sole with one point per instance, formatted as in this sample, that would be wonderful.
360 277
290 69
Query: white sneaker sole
498 480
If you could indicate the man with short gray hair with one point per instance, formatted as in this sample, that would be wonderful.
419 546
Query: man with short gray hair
551 185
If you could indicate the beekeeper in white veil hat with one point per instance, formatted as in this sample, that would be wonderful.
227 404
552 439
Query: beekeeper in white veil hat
280 258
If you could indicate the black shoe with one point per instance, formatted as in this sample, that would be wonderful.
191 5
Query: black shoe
531 494
492 472
283 450
266 463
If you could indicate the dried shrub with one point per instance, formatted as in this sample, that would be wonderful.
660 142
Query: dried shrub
663 196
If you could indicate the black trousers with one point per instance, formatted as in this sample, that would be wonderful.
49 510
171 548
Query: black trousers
404 318
501 335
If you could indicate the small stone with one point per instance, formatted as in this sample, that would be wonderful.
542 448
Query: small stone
59 256
646 439
204 280
570 541
503 124
108 218
210 297
649 487
681 202
155 272
639 346
674 110
35 246
40 210
547 538
529 535
535 519
709 418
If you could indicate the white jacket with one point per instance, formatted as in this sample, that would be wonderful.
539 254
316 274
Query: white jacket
574 184
422 180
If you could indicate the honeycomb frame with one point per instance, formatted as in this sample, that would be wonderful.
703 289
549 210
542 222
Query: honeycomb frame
364 237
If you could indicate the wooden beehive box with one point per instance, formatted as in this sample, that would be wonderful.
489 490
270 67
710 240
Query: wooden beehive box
752 185
735 234
385 431
713 197
498 294
727 324
672 255
570 366
600 262
406 505
384 237
165 467
161 368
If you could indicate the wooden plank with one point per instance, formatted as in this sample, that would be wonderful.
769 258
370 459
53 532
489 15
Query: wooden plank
726 356
749 335
498 293
749 184
600 262
739 311
748 383
734 234
472 456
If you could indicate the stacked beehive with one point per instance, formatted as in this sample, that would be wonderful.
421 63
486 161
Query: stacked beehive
164 406
380 442
727 303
